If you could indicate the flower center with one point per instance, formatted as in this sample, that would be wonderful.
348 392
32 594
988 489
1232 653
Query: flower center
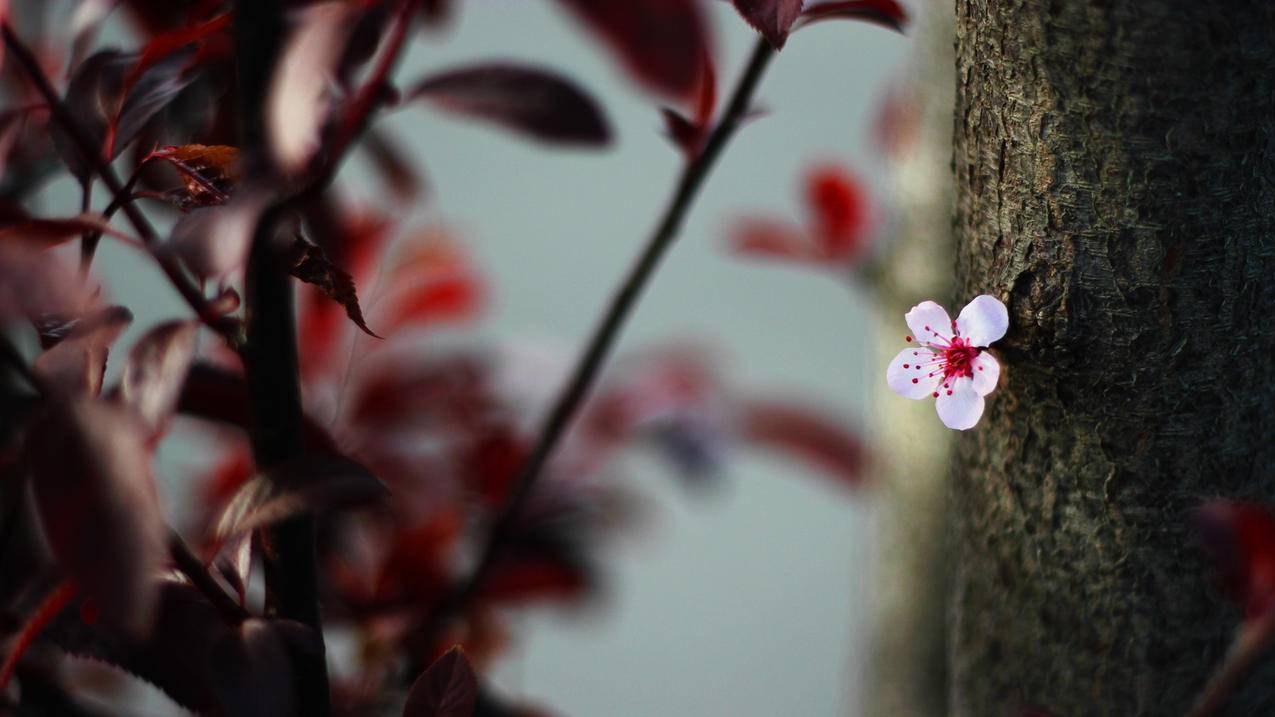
957 358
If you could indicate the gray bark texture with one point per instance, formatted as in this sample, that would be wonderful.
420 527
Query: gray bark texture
1115 183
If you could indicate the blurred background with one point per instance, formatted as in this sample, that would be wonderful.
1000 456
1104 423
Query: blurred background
748 594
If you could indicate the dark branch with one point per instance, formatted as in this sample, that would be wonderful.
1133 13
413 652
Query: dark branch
604 337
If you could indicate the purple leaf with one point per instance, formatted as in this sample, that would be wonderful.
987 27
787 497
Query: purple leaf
528 100
310 483
156 371
110 118
772 18
661 42
448 688
76 361
96 499
887 13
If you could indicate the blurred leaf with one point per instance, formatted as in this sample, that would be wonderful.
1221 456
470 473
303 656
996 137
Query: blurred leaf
661 42
819 440
214 241
434 281
111 118
309 483
174 656
772 18
46 233
93 488
156 371
165 44
1240 537
307 262
76 361
298 104
448 688
887 13
527 100
768 238
839 210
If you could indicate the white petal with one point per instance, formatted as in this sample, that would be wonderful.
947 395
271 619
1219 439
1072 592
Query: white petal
906 377
930 323
983 320
959 407
987 371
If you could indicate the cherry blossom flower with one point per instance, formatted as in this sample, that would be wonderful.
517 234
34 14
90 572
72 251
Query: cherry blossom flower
949 361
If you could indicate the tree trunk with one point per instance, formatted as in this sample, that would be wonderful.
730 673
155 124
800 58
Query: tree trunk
1115 182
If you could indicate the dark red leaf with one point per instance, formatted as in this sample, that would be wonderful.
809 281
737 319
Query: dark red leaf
661 42
529 100
75 364
887 13
1240 537
772 18
252 667
417 567
174 656
449 688
307 484
156 371
93 488
307 262
165 44
819 440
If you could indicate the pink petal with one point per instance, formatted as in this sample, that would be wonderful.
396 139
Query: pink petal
987 370
906 378
930 323
983 320
961 406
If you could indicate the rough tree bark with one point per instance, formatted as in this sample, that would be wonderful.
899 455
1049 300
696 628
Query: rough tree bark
1115 181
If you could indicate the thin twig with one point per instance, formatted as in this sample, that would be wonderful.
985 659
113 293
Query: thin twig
604 337
192 567
226 326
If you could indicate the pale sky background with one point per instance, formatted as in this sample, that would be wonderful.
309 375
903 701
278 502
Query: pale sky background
748 600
